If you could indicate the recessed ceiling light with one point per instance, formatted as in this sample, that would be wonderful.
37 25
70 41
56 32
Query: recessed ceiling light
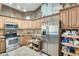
24 10
18 7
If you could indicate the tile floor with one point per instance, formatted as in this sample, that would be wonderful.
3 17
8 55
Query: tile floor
23 51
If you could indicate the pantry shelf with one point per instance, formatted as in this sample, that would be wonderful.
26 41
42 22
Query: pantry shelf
68 53
35 43
71 36
71 45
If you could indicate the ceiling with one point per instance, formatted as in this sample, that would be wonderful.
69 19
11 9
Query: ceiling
24 7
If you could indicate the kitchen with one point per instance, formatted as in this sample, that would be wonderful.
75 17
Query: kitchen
42 29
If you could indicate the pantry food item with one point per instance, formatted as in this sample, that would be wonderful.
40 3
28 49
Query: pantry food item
65 48
65 40
76 42
73 33
77 33
71 49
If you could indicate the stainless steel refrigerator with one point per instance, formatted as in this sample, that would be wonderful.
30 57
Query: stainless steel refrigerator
50 37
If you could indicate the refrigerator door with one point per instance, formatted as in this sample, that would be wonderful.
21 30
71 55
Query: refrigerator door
44 40
45 45
53 40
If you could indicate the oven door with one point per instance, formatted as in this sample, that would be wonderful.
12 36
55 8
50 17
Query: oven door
10 42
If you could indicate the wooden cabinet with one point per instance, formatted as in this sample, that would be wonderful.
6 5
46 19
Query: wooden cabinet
36 24
24 39
73 17
64 19
31 24
1 25
2 45
2 32
78 17
70 17
28 24
22 24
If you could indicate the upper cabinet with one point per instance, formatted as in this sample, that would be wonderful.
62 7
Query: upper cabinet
1 25
73 17
70 17
77 16
64 18
22 24
36 24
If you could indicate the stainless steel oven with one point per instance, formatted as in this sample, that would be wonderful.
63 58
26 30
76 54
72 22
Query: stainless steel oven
12 41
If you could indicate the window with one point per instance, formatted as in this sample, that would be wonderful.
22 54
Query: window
27 17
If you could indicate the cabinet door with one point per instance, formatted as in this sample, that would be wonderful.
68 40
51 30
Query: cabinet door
24 40
70 18
38 24
31 24
2 32
1 25
61 19
2 46
64 19
28 25
35 24
74 17
78 17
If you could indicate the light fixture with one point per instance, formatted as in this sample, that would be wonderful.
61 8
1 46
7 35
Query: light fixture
10 3
18 7
24 10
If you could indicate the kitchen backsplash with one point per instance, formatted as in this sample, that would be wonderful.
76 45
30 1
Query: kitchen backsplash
29 31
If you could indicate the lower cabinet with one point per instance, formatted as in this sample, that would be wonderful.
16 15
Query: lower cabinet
2 45
24 39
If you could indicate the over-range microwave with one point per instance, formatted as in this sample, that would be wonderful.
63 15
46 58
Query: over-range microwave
11 26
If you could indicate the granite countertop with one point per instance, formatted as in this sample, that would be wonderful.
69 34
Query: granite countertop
30 34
